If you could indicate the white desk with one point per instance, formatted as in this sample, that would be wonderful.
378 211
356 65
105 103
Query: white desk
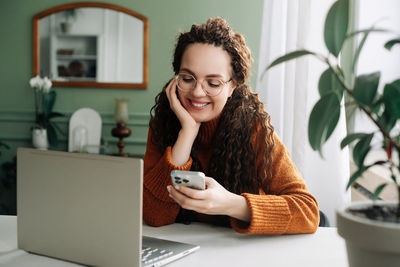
218 247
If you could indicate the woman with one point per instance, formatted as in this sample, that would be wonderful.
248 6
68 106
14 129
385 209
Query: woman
207 119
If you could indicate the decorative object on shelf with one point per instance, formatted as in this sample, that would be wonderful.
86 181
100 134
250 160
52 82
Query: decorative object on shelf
371 229
44 129
69 16
62 71
85 131
67 52
121 131
80 137
76 69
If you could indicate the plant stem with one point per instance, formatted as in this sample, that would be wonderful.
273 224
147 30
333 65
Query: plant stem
369 114
36 104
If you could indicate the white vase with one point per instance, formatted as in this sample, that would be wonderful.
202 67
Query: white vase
39 138
369 243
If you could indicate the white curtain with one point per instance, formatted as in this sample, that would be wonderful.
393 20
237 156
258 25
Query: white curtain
289 92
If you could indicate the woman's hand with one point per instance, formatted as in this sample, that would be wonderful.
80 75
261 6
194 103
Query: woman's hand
215 200
190 128
186 120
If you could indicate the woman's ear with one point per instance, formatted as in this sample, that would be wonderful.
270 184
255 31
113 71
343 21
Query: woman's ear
232 87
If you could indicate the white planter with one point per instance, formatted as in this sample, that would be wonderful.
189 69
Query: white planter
39 138
369 243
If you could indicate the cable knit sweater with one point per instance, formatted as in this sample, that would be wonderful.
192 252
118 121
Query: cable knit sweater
284 206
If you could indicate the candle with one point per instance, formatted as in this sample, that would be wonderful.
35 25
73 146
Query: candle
121 110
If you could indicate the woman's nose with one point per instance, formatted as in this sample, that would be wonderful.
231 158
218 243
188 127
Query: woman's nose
198 90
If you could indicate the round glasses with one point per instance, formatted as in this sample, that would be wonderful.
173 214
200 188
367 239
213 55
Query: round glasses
210 86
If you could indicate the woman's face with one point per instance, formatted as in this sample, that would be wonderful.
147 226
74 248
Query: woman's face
205 61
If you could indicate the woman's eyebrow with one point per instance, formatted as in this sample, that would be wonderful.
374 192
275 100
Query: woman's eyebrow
208 75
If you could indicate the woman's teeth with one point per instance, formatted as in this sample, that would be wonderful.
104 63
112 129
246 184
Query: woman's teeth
199 105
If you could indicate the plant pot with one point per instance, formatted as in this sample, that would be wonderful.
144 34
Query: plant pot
369 242
39 138
65 27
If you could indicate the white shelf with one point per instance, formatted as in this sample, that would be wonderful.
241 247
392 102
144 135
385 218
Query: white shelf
74 78
77 47
72 57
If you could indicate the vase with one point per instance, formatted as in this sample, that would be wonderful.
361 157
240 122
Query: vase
369 243
65 27
39 138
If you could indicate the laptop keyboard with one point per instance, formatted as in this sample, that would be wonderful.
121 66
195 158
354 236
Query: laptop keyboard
150 255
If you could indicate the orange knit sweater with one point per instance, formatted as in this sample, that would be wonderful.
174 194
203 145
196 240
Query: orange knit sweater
285 208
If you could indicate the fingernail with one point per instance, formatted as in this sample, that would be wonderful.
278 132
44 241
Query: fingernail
169 189
176 187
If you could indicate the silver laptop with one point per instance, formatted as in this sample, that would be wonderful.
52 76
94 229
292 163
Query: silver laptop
86 209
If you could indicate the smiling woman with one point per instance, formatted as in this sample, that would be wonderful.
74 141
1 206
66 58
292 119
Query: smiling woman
207 119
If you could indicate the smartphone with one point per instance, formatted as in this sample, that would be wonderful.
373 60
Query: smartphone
195 180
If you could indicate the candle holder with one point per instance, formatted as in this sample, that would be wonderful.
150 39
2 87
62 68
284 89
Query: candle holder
121 131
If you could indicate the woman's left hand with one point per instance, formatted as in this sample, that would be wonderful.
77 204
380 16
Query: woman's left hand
214 200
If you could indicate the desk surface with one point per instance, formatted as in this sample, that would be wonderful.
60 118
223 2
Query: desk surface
218 247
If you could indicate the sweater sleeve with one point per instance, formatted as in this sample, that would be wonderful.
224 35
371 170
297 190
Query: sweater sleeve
158 208
287 207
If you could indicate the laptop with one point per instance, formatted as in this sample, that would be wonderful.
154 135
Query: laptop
87 209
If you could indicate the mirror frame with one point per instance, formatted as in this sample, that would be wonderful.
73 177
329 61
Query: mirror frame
36 56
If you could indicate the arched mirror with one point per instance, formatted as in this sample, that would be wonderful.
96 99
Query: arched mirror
91 45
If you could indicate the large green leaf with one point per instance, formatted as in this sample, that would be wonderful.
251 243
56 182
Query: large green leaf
2 144
358 51
49 102
350 138
361 149
55 115
56 127
372 29
336 24
52 135
289 56
391 97
378 191
365 88
386 120
323 120
328 82
391 43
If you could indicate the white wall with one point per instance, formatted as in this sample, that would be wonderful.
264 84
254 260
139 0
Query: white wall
374 57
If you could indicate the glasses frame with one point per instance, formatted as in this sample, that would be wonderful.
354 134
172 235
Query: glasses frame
202 88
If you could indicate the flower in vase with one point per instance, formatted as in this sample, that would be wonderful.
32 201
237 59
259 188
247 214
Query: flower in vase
44 102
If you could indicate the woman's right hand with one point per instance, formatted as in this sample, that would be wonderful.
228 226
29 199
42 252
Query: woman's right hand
190 128
186 120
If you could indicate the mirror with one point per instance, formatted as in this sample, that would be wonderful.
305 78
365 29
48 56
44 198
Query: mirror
91 45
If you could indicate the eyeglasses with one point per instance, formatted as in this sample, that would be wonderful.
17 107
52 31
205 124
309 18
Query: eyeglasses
210 86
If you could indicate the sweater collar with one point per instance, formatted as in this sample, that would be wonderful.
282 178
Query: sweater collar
207 131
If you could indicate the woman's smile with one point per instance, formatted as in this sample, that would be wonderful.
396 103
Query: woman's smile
197 105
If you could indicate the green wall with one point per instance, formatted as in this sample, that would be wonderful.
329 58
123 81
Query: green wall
166 19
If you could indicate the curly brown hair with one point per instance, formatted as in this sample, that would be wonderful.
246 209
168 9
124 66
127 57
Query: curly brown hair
233 160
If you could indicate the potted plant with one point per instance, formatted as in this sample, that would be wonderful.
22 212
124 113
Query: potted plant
371 229
3 144
7 184
69 16
44 131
